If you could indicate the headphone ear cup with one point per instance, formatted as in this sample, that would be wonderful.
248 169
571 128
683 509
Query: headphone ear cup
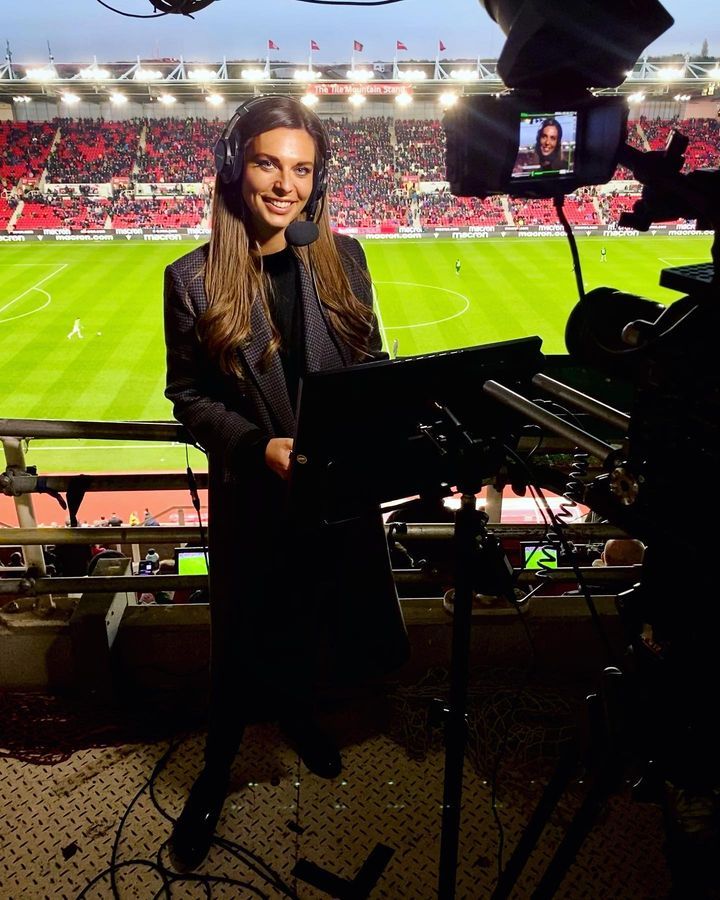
319 189
221 156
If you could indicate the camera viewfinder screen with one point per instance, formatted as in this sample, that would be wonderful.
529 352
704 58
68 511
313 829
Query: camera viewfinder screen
547 144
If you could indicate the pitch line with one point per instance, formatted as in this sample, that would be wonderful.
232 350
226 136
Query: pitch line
433 287
131 445
378 315
34 287
32 311
669 260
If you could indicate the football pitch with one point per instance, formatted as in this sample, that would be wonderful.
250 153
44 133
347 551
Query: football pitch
506 288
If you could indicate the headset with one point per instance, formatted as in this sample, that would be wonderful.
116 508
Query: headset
229 155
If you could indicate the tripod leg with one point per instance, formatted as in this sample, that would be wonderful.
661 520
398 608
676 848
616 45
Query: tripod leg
539 819
580 827
455 721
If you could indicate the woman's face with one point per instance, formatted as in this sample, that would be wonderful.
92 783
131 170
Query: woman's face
548 140
277 182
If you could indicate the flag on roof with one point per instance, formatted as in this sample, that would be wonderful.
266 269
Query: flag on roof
357 46
314 45
400 46
441 46
272 45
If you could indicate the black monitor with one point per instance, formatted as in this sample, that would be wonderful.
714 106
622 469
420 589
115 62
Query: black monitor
358 440
191 561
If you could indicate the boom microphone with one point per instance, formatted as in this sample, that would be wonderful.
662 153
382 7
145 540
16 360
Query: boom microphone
300 234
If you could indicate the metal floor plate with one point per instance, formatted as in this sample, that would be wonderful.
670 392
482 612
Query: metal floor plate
61 821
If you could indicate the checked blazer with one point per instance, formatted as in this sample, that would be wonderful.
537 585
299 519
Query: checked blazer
259 565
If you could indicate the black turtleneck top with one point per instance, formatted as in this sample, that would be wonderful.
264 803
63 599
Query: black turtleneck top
285 305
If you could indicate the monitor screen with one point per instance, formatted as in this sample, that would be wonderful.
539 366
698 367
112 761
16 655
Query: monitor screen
539 556
547 144
191 561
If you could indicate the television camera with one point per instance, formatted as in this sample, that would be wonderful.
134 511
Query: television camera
555 58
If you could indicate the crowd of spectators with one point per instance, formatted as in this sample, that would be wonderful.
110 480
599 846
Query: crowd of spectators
93 150
376 173
24 150
441 208
157 212
420 148
76 212
178 150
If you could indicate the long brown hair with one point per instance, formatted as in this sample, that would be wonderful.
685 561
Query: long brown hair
234 278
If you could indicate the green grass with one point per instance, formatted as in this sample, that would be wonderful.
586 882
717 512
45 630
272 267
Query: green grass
507 288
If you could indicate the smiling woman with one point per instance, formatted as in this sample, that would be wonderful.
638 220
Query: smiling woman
277 182
245 318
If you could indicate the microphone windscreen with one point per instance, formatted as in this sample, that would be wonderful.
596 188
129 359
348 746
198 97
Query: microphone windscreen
300 234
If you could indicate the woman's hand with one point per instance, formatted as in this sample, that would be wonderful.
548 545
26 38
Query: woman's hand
277 456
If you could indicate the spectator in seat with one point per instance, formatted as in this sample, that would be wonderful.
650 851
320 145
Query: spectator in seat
149 518
621 552
243 322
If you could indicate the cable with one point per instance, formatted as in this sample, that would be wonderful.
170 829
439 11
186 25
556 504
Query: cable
328 327
195 500
563 542
351 2
128 15
169 877
558 203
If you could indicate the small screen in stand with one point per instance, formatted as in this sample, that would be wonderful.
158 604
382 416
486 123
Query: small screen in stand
547 144
191 561
539 556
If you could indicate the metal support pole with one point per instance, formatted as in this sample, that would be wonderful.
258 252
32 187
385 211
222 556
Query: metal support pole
15 457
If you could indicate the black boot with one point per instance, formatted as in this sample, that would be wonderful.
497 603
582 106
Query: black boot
314 747
192 833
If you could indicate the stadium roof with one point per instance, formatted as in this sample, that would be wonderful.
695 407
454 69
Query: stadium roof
145 80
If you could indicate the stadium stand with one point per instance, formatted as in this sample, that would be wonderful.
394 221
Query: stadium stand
93 150
24 149
385 173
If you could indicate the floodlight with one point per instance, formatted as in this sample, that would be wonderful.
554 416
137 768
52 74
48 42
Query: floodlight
310 99
202 75
403 99
306 75
166 99
147 74
359 74
253 75
70 99
465 74
413 75
118 99
671 74
93 73
448 99
214 99
356 99
47 73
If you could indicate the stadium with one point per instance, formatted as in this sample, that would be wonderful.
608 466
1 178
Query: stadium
107 176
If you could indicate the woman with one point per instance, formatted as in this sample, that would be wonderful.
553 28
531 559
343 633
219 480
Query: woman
548 144
243 322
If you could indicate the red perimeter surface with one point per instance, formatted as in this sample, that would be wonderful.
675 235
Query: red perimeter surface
162 504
